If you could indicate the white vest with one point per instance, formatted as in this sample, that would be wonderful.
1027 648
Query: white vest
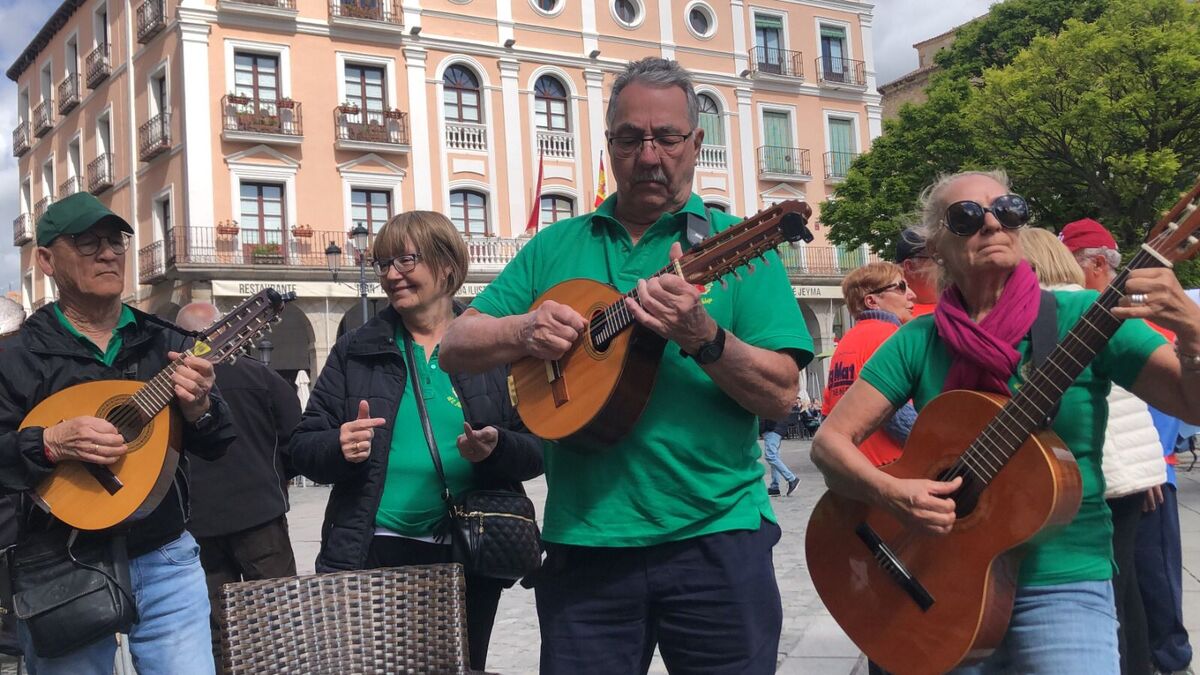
1133 456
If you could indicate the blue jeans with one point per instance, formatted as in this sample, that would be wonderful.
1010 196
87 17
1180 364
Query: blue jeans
1159 566
172 633
771 454
1065 629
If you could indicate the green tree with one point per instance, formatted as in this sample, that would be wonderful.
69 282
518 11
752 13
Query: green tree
1102 120
881 188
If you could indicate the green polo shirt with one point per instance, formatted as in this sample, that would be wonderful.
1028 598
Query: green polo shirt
412 504
913 364
690 465
114 343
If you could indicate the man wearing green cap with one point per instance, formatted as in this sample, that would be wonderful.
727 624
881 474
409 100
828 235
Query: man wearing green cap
89 334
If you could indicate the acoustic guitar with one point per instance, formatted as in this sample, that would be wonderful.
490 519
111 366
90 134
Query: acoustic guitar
920 603
91 496
595 393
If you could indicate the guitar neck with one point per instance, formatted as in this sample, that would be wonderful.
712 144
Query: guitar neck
159 391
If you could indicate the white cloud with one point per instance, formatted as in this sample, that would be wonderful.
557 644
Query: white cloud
898 24
19 23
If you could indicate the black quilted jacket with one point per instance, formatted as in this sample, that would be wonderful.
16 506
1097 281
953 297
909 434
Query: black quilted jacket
369 364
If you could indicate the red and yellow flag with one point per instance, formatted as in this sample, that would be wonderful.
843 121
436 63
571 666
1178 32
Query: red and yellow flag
601 184
531 225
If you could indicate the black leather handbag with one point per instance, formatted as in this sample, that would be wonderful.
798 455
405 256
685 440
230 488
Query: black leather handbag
69 595
493 533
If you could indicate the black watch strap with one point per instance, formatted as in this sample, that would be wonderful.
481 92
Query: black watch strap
710 351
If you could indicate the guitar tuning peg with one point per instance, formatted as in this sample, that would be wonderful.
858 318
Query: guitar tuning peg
750 267
736 275
763 257
233 359
724 284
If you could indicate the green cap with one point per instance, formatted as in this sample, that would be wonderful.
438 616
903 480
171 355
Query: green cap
72 215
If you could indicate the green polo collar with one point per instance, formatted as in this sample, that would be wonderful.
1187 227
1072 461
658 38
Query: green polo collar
108 356
608 211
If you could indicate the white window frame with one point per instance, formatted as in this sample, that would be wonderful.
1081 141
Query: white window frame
158 231
26 197
637 22
97 9
249 172
76 141
714 94
784 42
282 51
834 23
104 117
23 104
162 68
50 187
47 72
489 195
371 180
559 6
791 112
855 130
388 63
68 66
712 19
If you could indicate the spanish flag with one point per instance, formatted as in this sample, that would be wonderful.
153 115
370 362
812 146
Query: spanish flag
601 184
531 225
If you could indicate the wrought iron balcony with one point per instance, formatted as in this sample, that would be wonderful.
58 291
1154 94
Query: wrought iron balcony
836 70
154 137
250 119
100 173
152 259
712 157
70 186
387 11
556 144
68 93
97 67
366 130
824 260
22 230
837 164
43 118
466 136
775 61
151 19
780 162
274 4
40 207
21 139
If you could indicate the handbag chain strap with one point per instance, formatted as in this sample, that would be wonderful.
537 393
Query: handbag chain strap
419 393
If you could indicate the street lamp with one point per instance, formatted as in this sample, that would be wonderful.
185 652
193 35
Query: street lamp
264 351
360 239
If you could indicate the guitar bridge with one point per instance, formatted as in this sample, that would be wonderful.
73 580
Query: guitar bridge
891 564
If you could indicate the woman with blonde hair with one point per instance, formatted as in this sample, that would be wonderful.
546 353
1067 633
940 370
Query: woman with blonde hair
1052 262
363 430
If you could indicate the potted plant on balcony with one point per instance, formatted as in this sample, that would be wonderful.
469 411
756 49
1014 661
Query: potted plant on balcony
266 254
348 108
228 227
393 114
302 231
285 103
237 99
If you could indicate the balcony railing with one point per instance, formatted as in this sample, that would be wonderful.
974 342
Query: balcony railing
829 261
68 93
780 161
40 207
837 70
70 186
277 4
152 260
556 144
154 136
371 127
151 19
22 229
100 174
43 118
387 11
837 164
251 116
97 67
775 61
492 252
712 157
21 139
466 136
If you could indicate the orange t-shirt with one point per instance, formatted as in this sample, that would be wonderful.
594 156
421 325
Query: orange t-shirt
922 310
852 352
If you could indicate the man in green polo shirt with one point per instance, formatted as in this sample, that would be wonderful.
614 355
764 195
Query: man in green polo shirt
665 537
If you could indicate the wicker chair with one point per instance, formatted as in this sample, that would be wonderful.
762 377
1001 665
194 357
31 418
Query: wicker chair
392 620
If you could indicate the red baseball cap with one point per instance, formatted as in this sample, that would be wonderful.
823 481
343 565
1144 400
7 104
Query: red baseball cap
1086 233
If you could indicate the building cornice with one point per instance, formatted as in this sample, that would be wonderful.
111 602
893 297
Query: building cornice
54 24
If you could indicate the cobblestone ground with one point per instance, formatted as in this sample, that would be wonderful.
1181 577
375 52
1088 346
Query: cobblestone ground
811 642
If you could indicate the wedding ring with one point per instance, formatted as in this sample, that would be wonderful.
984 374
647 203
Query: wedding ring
1137 298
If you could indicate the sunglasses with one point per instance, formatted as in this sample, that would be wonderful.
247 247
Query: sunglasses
965 218
901 286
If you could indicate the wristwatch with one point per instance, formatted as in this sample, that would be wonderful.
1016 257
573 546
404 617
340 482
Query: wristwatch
710 351
205 422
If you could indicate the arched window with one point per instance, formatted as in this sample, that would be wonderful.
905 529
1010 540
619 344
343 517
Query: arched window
460 97
710 121
556 208
550 104
468 212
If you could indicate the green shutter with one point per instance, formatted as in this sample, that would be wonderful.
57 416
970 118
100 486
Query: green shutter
841 144
768 21
713 131
833 32
777 133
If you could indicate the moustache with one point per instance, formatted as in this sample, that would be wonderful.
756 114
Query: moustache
655 175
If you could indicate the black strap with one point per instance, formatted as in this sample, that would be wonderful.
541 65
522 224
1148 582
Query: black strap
698 228
1044 338
424 414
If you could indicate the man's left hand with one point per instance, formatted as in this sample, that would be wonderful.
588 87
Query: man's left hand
475 445
193 379
671 307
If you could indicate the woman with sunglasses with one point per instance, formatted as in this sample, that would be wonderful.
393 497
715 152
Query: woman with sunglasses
363 431
1063 619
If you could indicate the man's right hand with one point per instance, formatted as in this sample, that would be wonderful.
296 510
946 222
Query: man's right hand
923 505
551 330
355 437
87 439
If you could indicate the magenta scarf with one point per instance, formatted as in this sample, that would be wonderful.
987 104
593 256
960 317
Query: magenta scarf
984 353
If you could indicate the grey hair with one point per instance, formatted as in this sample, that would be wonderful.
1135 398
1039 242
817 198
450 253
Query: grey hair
655 72
12 315
1112 257
932 204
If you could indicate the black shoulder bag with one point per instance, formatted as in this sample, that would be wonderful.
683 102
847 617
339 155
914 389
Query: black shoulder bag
493 533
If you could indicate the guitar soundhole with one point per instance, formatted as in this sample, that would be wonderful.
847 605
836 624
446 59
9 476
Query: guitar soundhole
600 339
967 496
127 419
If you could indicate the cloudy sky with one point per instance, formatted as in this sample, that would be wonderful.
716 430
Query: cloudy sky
898 24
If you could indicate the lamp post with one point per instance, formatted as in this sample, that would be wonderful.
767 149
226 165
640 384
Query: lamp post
264 351
359 237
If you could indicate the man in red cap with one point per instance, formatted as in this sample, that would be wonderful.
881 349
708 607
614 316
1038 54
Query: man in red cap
1095 250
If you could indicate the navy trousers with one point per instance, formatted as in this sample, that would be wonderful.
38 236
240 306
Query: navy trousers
710 603
1160 576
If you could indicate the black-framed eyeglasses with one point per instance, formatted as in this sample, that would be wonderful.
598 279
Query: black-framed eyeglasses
666 144
901 286
965 218
88 243
401 263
